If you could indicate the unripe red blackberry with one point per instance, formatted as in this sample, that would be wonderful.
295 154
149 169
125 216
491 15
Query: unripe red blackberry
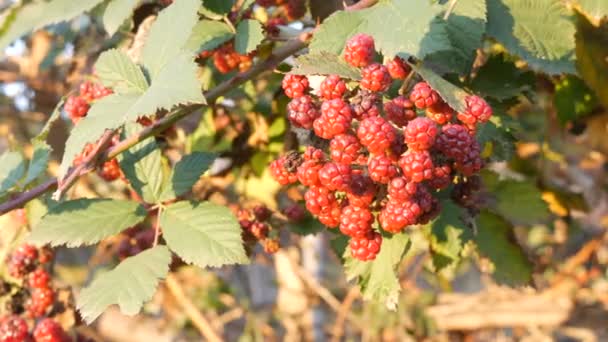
76 107
313 153
375 77
365 104
335 176
86 91
397 215
441 113
302 111
335 119
279 172
13 329
376 134
332 87
359 50
417 166
319 197
367 247
259 230
22 261
48 330
398 68
39 278
477 111
420 134
442 177
330 216
399 111
361 191
40 302
381 169
99 91
225 58
110 170
45 255
308 172
454 141
261 212
400 189
431 213
295 85
356 221
345 149
424 96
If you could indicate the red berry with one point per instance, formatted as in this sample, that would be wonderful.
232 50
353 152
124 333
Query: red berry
22 261
375 77
308 172
279 172
49 331
313 153
399 189
40 302
366 248
271 246
335 119
431 213
294 85
330 216
259 230
471 162
376 134
399 111
100 91
318 197
359 50
417 166
76 107
361 191
441 113
225 58
381 169
39 278
110 170
332 87
398 69
335 176
13 329
442 177
396 215
345 149
45 255
261 212
302 111
365 104
356 221
87 90
454 141
424 96
294 212
420 134
477 111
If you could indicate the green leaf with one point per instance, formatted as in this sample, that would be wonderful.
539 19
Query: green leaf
378 279
249 34
207 35
453 95
204 234
105 114
496 242
175 84
129 285
501 142
325 63
49 123
142 165
116 70
573 99
336 30
308 226
186 172
595 10
39 14
12 169
218 7
591 56
116 12
501 79
448 235
169 34
39 162
538 31
86 221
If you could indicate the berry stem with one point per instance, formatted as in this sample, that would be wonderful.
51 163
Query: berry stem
157 226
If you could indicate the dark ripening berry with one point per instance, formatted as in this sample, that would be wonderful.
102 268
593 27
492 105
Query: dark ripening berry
76 107
356 221
332 87
441 113
279 172
454 141
477 111
399 189
471 163
13 329
424 96
442 177
261 212
399 111
467 193
365 104
359 50
50 331
376 134
22 261
361 191
417 166
318 197
294 85
396 215
39 278
375 77
308 172
366 248
302 111
335 176
398 68
40 302
294 212
335 119
330 216
420 134
345 149
381 169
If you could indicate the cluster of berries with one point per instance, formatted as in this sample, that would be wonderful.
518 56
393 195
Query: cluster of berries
256 228
77 106
385 159
109 170
226 59
31 297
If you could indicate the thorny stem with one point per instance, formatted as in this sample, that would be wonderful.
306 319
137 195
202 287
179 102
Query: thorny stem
289 48
450 9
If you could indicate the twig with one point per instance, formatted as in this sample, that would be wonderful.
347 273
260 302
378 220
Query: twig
338 328
157 225
199 321
450 9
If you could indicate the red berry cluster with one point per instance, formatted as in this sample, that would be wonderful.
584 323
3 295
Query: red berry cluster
15 329
385 160
109 170
226 59
255 228
77 106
